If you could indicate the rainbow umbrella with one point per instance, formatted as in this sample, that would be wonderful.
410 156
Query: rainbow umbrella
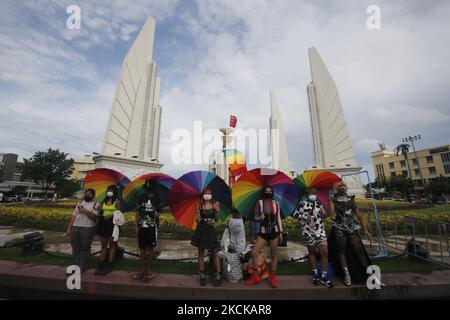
249 189
236 161
185 195
101 179
321 181
135 189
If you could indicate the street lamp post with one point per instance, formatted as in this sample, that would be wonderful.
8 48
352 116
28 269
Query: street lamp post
412 139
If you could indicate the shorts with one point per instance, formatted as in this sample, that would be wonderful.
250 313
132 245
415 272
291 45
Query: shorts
147 237
105 227
269 236
315 240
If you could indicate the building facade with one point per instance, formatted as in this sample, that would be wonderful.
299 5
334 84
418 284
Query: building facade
10 167
81 167
432 163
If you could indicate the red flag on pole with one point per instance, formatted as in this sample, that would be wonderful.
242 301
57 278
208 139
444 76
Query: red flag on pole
233 121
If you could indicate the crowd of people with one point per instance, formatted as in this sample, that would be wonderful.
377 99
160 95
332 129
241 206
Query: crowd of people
342 246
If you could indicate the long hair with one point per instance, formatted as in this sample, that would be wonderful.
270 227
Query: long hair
115 191
202 201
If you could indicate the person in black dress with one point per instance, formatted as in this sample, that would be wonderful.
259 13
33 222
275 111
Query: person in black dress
205 237
147 218
348 255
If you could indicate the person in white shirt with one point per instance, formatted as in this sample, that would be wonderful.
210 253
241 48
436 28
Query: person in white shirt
237 232
81 229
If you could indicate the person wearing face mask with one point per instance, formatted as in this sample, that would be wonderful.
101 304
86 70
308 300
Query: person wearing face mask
310 212
147 218
268 214
205 237
105 230
349 257
82 228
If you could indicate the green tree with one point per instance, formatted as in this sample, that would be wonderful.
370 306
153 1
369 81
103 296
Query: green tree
67 187
403 149
438 187
48 167
400 184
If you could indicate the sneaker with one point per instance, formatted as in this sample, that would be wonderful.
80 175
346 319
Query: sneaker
266 273
273 279
254 279
202 279
217 280
315 278
325 281
347 278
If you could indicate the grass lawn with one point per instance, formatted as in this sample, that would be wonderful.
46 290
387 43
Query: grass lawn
396 264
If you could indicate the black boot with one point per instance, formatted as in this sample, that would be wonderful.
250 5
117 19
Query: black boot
315 278
202 279
100 267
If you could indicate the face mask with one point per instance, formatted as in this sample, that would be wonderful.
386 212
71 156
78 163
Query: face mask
109 194
87 198
268 194
207 197
312 197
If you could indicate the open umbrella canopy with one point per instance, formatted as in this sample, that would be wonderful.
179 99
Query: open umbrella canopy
186 192
321 181
249 189
236 160
135 189
101 179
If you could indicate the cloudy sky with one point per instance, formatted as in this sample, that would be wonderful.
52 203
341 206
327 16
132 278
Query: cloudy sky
222 57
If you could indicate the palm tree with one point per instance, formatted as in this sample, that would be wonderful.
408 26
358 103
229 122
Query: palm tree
403 149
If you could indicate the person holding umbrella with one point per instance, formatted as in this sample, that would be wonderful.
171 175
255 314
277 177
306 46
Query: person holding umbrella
310 213
267 213
205 237
147 220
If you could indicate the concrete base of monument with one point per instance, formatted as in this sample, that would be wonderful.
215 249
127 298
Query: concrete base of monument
351 175
23 281
132 168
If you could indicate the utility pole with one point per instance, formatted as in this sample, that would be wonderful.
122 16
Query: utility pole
412 139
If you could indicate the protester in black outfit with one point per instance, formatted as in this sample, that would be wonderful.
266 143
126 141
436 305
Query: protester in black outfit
147 214
205 237
347 252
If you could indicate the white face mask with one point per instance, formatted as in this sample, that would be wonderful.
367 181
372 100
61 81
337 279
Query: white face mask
109 194
207 197
312 197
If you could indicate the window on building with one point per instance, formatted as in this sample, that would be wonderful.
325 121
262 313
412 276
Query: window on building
403 163
405 173
446 161
447 168
391 165
415 162
432 170
429 159
417 172
393 174
419 183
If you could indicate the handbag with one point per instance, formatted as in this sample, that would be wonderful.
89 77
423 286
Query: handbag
231 267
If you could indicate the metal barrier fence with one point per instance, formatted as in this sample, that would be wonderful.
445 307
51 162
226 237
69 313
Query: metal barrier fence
423 238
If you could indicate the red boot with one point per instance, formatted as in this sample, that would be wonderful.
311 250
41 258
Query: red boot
273 280
254 279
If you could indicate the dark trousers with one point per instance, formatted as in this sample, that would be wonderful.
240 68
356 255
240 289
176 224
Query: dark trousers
81 240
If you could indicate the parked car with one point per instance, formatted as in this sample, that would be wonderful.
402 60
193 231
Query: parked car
388 199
